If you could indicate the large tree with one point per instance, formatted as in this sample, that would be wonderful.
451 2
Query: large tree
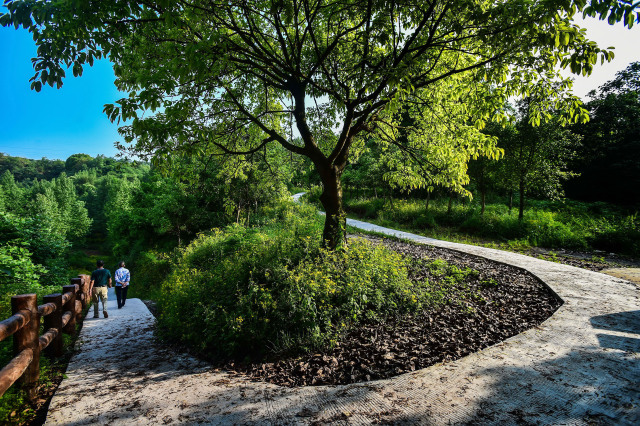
609 165
230 77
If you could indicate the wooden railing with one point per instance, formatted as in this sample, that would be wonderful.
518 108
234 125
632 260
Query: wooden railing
61 311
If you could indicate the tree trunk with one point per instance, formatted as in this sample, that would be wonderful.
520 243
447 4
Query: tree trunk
426 207
335 223
521 190
450 203
482 200
510 200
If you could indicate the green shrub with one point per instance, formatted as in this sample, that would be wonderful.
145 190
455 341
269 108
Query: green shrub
250 292
326 294
219 297
150 269
622 235
365 208
543 229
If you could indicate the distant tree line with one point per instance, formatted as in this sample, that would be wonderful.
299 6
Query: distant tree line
595 161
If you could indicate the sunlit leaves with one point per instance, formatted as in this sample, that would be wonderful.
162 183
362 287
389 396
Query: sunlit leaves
214 78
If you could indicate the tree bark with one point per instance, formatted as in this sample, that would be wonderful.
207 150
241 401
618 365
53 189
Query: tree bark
482 196
335 223
521 190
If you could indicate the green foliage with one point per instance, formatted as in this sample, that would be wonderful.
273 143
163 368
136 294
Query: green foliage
12 401
255 291
36 226
26 170
234 79
12 194
213 287
325 294
31 259
165 210
558 224
16 267
151 269
77 162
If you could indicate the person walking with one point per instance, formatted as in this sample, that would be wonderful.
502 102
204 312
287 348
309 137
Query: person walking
122 277
101 282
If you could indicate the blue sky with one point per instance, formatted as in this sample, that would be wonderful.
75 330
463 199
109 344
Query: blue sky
53 123
57 123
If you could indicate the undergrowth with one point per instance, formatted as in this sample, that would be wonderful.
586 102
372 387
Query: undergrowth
550 224
249 293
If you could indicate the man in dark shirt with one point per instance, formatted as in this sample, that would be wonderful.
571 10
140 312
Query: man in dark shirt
101 282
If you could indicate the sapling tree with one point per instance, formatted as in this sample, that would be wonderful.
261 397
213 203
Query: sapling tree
315 76
536 157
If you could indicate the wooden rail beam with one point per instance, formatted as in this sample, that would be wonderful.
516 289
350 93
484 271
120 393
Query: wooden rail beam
60 312
46 309
66 296
66 317
45 340
12 371
14 323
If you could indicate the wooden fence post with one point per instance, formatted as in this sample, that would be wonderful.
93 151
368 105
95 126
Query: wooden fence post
54 320
70 306
86 289
80 296
28 338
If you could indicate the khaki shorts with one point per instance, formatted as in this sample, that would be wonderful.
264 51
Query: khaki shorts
100 293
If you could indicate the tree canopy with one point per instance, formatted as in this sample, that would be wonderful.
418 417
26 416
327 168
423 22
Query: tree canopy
315 77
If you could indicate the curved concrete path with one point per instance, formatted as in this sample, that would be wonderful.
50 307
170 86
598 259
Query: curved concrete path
581 366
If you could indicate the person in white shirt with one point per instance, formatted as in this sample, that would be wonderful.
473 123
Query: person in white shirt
122 277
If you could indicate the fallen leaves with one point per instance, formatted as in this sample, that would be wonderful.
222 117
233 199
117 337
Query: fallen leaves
515 302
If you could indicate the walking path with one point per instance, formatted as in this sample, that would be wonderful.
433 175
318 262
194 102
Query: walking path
581 366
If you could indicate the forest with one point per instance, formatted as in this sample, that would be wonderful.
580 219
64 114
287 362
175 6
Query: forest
408 122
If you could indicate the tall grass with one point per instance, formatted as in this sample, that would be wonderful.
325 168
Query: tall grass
551 224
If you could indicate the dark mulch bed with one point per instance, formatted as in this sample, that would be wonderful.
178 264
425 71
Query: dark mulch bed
514 302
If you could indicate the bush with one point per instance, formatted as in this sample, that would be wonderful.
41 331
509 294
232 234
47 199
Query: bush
250 292
324 295
219 297
622 235
151 269
542 228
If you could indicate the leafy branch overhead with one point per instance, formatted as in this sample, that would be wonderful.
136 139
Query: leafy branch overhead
316 77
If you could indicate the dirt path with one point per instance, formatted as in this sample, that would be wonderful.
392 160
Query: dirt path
582 366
